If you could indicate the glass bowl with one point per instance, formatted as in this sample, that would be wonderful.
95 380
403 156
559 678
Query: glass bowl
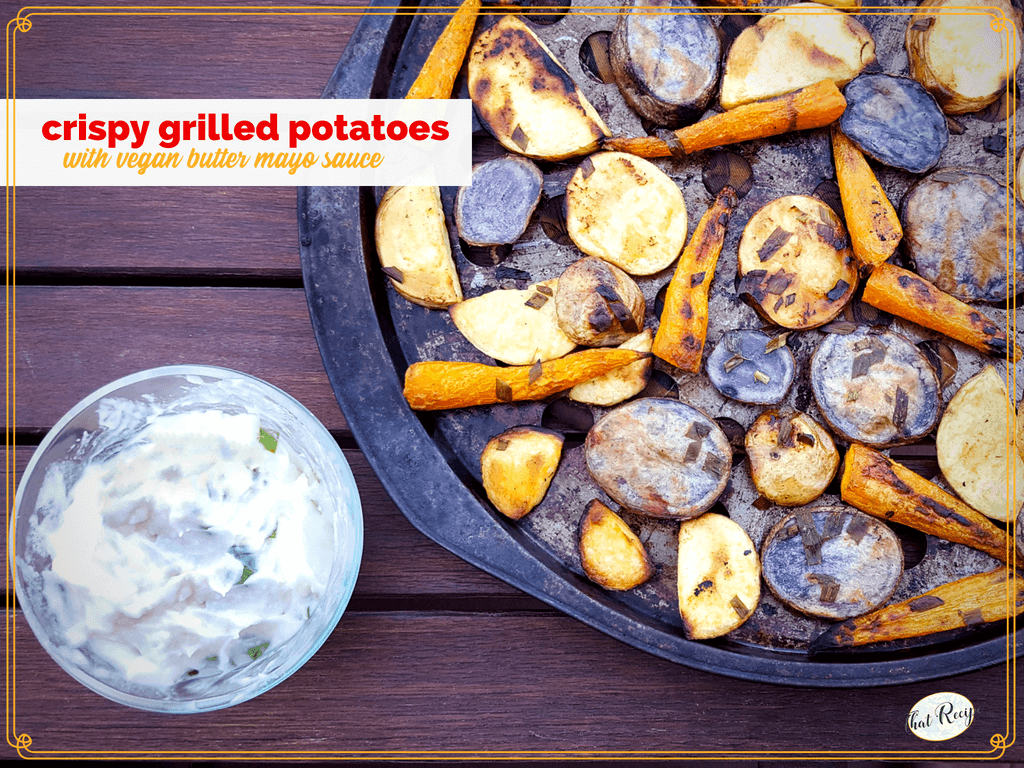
225 632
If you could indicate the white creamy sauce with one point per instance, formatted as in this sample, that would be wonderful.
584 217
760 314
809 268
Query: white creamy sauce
191 552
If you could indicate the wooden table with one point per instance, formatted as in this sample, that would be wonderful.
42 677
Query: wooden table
432 655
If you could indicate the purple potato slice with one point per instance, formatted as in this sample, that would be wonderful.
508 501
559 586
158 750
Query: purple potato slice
747 366
496 208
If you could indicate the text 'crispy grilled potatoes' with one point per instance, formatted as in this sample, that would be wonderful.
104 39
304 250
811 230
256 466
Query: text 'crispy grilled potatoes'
526 99
795 262
659 457
792 457
833 562
975 447
517 467
413 246
792 48
719 581
514 326
625 210
611 554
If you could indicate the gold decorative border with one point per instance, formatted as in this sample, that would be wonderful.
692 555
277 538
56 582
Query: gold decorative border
21 742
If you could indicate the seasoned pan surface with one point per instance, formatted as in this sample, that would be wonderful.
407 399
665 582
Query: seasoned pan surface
368 335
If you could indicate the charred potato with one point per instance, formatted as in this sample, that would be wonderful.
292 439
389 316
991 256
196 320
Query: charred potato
611 554
975 447
795 262
792 457
962 58
875 388
496 207
833 562
413 246
665 64
792 48
719 581
625 210
526 99
517 467
659 457
517 327
622 383
597 304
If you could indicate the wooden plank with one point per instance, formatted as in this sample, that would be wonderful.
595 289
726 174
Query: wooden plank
479 682
400 566
71 341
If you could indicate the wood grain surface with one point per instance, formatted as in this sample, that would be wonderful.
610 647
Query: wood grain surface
433 654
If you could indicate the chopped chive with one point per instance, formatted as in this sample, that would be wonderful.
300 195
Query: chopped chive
246 573
257 650
268 440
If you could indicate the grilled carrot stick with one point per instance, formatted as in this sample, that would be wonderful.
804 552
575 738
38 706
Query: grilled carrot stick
436 79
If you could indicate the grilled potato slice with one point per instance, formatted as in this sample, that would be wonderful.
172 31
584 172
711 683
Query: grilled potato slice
961 58
625 210
833 562
719 580
792 457
413 246
517 467
496 207
795 262
665 64
597 304
975 448
517 327
875 388
793 48
622 383
659 457
750 366
611 554
524 96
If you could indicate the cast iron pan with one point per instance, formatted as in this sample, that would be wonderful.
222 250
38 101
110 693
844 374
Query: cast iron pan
429 463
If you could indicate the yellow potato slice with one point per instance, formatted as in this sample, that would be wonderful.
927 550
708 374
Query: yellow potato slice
524 96
517 467
622 383
413 246
719 576
975 448
517 327
627 211
960 57
611 554
796 262
792 457
792 48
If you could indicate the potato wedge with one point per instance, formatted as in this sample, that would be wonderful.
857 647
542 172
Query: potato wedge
966 602
517 467
962 58
526 99
413 246
597 304
719 581
665 64
514 326
611 554
627 211
795 262
622 383
659 457
833 562
792 457
975 447
792 48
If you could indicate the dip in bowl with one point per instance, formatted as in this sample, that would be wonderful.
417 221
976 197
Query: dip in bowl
185 539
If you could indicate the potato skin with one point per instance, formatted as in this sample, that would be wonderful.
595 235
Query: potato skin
582 303
610 553
719 576
517 467
526 99
784 467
